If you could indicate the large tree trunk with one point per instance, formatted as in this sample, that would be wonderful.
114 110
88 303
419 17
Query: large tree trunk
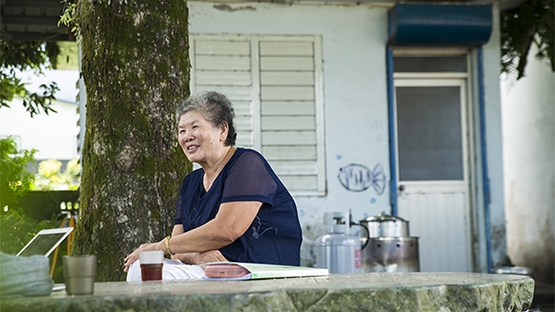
136 67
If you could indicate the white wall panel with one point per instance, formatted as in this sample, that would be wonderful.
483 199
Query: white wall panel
287 78
443 238
295 167
289 152
242 108
233 93
244 139
287 48
210 62
300 183
243 123
287 93
222 47
217 77
286 63
292 108
288 138
289 123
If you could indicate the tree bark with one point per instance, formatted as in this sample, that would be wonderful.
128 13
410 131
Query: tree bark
135 65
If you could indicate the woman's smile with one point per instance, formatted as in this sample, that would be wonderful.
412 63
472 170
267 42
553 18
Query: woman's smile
192 148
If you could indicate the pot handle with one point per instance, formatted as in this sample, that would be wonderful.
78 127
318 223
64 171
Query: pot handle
367 236
363 226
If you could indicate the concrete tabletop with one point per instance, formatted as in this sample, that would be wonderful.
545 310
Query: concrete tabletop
338 292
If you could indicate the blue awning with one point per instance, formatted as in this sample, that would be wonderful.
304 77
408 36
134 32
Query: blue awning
440 24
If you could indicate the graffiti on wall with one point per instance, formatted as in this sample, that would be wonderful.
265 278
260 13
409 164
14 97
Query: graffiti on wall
358 178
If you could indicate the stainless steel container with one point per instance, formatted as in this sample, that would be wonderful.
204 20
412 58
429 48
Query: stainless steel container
384 225
388 246
391 254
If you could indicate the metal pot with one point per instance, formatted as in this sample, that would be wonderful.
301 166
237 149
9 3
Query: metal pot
387 245
385 225
391 254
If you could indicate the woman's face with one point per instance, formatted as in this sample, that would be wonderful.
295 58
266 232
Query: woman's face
199 139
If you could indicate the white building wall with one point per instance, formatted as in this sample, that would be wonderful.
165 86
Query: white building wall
355 96
53 135
354 86
529 153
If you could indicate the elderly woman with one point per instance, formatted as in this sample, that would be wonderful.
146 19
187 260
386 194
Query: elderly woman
233 208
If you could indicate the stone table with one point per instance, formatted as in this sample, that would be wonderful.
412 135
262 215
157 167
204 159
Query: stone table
338 292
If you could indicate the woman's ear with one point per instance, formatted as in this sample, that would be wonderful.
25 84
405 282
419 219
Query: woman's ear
224 129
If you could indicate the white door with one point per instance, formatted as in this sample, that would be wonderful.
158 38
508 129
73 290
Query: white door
432 167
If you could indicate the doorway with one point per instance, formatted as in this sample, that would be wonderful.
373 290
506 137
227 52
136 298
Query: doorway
433 184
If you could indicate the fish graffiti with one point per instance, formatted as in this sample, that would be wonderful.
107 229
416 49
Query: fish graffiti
358 178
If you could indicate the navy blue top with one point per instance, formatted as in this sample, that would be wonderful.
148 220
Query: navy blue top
275 235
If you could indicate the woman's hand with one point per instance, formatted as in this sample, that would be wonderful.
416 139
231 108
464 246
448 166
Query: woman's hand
209 256
134 256
200 257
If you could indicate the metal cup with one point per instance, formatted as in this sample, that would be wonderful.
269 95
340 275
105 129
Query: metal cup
79 273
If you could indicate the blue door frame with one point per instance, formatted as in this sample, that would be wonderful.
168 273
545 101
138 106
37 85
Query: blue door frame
483 145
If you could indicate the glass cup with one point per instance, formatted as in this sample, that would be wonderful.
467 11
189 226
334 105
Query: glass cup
79 273
151 265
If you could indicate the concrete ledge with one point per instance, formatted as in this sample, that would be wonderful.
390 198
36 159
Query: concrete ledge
338 292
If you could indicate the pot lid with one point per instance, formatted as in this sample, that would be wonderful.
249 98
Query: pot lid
383 217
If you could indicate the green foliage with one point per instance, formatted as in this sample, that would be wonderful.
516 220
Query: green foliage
25 56
15 180
18 230
70 19
50 177
531 22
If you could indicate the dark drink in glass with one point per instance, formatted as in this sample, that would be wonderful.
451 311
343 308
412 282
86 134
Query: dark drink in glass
152 263
151 272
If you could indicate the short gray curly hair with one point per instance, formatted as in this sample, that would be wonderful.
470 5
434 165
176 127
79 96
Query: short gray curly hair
215 107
